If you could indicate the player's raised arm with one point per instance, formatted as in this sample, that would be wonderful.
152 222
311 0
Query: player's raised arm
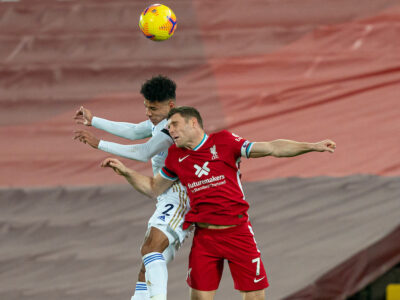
150 186
130 131
289 148
125 130
140 152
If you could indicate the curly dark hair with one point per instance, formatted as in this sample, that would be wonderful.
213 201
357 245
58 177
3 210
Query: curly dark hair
159 88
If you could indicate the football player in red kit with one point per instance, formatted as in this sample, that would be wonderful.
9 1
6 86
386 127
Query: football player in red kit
208 166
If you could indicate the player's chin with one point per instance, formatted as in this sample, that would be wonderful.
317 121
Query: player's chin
178 143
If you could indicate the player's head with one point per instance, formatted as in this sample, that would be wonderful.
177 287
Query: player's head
159 97
185 126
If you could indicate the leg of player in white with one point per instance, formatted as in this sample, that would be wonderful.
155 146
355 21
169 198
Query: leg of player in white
158 249
164 236
155 263
141 292
153 275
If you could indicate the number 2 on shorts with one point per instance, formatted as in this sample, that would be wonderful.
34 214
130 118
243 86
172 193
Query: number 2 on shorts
165 212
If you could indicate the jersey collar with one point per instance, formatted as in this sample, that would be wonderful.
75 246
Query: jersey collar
205 137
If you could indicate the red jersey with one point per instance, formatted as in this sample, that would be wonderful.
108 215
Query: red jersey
210 173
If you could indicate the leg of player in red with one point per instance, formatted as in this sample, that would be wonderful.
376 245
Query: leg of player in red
235 244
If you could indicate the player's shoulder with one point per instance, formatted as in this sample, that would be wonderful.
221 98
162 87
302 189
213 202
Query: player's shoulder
220 134
174 155
161 125
225 135
173 151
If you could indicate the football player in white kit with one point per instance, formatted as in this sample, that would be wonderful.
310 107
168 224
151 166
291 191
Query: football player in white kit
164 234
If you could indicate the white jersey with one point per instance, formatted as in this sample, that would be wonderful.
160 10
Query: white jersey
155 149
158 160
173 204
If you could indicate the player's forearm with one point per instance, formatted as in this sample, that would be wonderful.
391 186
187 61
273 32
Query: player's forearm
140 152
134 152
125 130
280 148
141 183
289 148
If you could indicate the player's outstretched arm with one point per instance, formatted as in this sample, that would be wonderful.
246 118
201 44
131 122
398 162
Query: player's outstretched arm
150 186
125 130
140 152
288 148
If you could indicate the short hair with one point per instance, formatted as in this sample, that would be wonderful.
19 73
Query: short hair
186 112
159 89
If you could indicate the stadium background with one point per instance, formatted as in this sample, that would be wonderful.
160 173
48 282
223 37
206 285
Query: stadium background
327 225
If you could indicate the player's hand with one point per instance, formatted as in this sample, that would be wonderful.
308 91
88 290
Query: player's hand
87 137
326 145
116 165
83 116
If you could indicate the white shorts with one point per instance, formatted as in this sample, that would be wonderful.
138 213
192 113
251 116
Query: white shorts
168 217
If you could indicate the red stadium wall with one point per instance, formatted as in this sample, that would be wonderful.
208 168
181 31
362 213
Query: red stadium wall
279 71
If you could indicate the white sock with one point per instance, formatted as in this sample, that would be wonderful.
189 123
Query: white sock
141 292
156 275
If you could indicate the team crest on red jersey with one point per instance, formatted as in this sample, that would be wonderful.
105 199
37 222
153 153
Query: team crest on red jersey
214 153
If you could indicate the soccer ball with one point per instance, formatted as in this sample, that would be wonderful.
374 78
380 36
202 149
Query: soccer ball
157 22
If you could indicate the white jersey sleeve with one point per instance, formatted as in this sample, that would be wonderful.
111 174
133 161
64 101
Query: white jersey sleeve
142 152
129 131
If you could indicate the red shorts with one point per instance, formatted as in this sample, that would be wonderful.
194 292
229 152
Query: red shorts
237 245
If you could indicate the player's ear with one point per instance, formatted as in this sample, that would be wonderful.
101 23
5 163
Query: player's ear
171 104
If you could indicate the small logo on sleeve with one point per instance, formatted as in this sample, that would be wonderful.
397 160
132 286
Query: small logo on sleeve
238 138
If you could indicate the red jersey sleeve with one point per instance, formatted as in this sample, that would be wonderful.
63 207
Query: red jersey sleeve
240 146
167 171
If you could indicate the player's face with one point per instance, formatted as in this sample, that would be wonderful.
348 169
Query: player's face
180 130
157 111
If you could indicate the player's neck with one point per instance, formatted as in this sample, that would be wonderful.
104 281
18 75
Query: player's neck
197 141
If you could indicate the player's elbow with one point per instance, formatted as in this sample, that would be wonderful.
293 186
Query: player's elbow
154 191
149 192
144 158
152 194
